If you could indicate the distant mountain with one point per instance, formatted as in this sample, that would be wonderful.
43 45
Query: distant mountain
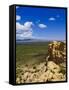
24 41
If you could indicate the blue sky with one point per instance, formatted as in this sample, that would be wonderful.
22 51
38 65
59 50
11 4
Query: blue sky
40 23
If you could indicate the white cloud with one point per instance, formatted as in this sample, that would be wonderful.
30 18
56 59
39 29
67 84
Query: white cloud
18 17
19 26
27 34
17 7
24 35
42 26
25 27
52 19
24 31
28 25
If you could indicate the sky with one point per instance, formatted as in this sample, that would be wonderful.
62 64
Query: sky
40 23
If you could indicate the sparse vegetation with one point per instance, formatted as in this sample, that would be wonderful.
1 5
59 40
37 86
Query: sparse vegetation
31 64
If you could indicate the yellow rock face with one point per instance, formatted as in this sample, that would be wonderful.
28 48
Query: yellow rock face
52 69
57 51
53 66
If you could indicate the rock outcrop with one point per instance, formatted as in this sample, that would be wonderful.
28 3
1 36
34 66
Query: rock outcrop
53 69
57 52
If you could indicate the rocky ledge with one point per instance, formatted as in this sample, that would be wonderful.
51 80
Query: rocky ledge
52 69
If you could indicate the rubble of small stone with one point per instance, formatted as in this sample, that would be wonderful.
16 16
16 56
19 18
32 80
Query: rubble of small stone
50 70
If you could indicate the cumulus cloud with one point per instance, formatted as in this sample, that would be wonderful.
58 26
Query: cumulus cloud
25 27
18 17
42 26
24 35
52 19
24 30
17 7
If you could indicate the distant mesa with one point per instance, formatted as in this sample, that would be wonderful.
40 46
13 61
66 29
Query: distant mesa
30 40
24 41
